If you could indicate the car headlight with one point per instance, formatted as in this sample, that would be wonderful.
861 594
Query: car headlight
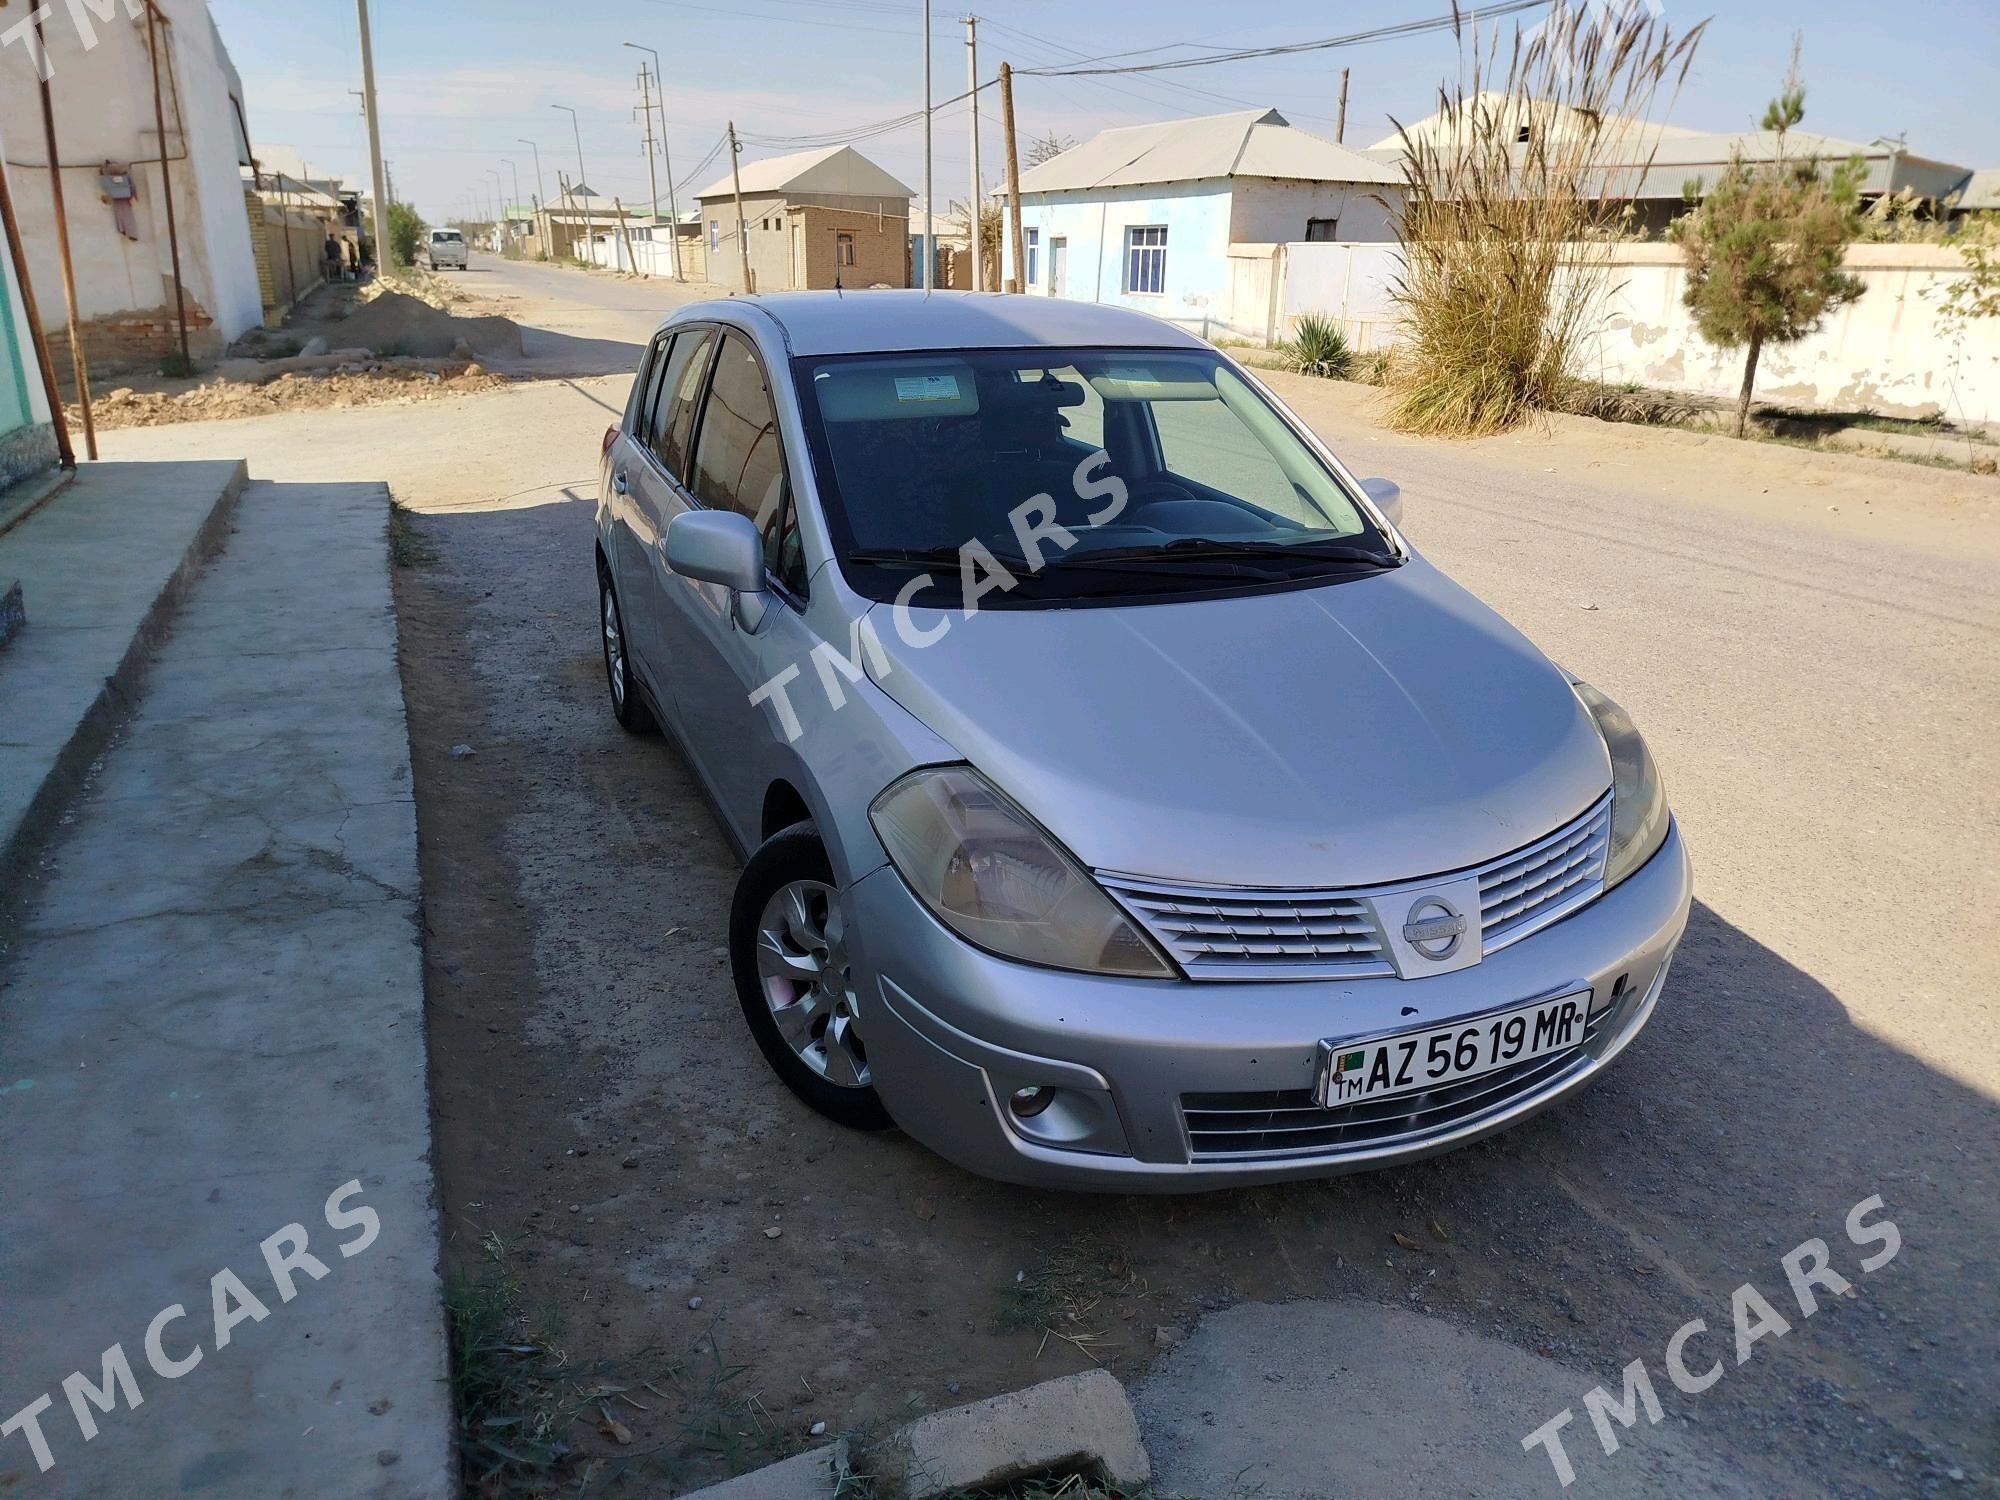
994 878
1638 801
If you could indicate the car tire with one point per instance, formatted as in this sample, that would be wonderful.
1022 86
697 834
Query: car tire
793 979
628 704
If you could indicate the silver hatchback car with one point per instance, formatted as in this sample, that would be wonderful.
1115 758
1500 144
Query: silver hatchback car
1127 804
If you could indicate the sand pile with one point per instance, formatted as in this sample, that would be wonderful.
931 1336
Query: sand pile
396 323
352 385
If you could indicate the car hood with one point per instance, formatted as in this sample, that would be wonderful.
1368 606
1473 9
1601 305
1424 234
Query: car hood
1372 730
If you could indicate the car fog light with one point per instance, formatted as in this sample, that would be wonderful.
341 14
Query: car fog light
1029 1102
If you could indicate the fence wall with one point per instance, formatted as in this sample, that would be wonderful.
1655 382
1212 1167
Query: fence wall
1890 352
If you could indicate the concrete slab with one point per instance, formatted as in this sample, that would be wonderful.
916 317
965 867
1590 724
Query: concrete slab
814 1475
102 565
1078 1422
1324 1400
211 1021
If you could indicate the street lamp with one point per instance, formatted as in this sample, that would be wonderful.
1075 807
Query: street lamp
541 197
666 158
582 178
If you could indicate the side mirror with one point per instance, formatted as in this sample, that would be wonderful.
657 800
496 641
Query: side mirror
722 547
1388 498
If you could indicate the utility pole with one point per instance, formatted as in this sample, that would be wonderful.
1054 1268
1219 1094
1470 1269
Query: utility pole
576 191
77 362
1013 177
517 179
378 178
974 219
666 158
930 244
1340 120
646 113
736 178
499 207
167 185
389 177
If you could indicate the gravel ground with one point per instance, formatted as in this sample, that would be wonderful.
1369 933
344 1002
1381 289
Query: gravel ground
1819 687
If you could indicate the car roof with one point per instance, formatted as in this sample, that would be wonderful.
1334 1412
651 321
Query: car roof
866 322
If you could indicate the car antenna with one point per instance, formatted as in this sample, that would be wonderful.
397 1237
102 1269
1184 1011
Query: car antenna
836 275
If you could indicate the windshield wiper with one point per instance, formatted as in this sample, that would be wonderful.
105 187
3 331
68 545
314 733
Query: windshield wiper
927 557
1199 549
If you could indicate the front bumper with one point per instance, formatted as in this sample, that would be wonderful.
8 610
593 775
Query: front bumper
952 1032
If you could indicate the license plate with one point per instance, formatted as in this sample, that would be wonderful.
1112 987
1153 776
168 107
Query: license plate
1351 1072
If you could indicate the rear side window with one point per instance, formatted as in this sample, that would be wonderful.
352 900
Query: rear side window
673 410
739 460
646 389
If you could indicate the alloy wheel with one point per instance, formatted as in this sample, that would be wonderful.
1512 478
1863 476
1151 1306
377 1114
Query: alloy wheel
614 648
803 971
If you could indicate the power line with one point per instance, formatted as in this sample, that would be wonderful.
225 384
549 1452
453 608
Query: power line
1352 39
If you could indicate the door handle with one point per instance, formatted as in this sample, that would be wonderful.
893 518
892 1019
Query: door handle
619 483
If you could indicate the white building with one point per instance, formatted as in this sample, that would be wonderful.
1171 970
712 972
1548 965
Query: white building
101 86
1183 219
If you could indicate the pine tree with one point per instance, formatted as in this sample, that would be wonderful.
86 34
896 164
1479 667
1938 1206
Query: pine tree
1764 247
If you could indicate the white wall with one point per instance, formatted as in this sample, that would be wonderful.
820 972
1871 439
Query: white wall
1350 282
1266 211
1196 214
1886 353
103 96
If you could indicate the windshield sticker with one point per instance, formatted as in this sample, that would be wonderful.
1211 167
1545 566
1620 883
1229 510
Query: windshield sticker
926 387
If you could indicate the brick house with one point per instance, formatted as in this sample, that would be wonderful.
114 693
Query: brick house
809 218
101 87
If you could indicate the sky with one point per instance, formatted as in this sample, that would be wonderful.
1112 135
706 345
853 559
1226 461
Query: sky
463 84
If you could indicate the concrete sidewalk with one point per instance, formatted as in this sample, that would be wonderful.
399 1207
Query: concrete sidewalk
211 1022
102 565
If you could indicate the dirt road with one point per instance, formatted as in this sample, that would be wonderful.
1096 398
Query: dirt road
1820 692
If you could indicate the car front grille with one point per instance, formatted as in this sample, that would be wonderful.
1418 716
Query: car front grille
1292 1122
1248 932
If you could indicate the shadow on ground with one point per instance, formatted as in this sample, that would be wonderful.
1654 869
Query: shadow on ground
605 1119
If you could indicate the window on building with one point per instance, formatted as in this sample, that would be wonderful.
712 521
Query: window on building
844 249
1031 240
1146 259
1322 230
715 234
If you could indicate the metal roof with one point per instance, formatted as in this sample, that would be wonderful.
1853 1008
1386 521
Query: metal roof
833 170
1979 192
866 322
1247 143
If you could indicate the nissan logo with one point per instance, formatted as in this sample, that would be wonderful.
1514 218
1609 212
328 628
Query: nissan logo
1434 928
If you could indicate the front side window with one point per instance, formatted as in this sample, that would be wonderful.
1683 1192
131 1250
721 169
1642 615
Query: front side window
674 411
738 458
919 455
1146 259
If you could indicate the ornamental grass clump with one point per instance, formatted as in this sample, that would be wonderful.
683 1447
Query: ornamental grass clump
1511 204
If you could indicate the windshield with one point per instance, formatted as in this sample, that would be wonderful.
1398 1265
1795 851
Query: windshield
1103 473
